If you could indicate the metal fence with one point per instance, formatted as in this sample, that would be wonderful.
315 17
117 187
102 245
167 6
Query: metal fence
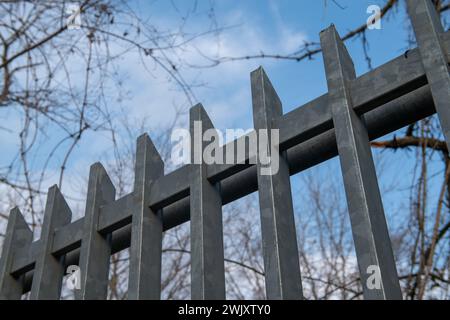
342 122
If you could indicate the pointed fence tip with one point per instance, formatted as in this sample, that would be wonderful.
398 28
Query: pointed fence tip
143 136
259 70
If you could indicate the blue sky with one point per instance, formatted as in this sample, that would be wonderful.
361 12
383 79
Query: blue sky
274 27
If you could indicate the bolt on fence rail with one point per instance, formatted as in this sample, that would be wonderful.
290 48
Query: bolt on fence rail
342 122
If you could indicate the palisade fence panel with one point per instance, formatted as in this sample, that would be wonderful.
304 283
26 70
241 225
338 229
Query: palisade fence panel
340 123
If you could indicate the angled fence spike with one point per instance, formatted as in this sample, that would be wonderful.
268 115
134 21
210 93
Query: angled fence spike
207 257
95 247
18 235
144 282
370 233
281 260
49 269
429 31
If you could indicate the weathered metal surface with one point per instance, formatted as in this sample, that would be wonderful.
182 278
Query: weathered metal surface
281 260
369 228
207 257
144 281
388 118
95 247
18 235
429 36
49 269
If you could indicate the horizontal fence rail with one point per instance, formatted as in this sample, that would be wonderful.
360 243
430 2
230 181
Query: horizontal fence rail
340 123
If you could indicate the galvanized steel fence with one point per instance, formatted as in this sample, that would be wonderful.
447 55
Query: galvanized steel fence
342 122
